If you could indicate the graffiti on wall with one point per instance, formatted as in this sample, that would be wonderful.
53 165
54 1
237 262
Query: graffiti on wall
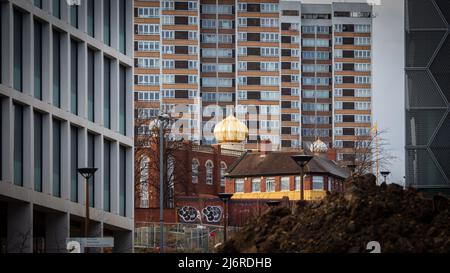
211 214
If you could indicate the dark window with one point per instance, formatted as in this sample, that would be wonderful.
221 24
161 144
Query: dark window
348 118
253 66
181 20
348 28
285 65
342 14
73 164
182 35
348 54
107 22
38 152
348 157
348 92
285 143
181 78
122 180
107 176
107 93
286 104
122 25
90 17
348 41
253 22
91 164
285 117
253 8
348 67
73 77
56 69
181 64
253 51
181 50
285 91
18 48
122 99
290 13
348 131
253 37
348 105
184 94
285 26
73 15
91 84
348 79
286 52
181 6
56 8
286 39
56 158
18 145
253 80
37 60
286 78
286 130
253 95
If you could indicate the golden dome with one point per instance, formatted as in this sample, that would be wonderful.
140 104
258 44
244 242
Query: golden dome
230 130
318 146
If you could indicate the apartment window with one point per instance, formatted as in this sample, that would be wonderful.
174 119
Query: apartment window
269 51
18 49
270 66
167 78
148 46
239 186
242 6
362 67
363 93
192 79
73 77
167 5
223 169
364 41
168 93
167 20
315 81
362 54
209 172
270 81
168 49
122 25
269 37
37 60
167 35
362 28
90 17
91 163
147 96
148 29
270 95
107 93
56 8
38 143
269 7
56 68
338 40
148 63
208 23
269 22
148 12
362 80
56 182
270 184
192 5
106 175
362 119
107 22
73 164
192 20
73 17
225 24
122 99
316 55
316 43
149 79
317 182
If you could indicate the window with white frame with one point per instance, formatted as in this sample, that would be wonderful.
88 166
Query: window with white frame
168 78
269 51
148 80
226 24
270 184
192 5
150 63
362 105
168 49
269 22
167 5
148 46
208 23
270 81
192 79
148 12
223 170
147 95
209 172
168 64
147 113
363 93
148 29
362 119
256 185
269 7
362 79
362 67
270 95
362 41
318 182
269 37
168 93
363 28
297 183
362 54
167 20
239 186
285 183
167 34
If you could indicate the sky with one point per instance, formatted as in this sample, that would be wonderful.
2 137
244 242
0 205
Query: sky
388 78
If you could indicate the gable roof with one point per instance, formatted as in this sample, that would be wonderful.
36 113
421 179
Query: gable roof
281 163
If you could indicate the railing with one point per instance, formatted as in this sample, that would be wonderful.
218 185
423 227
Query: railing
179 237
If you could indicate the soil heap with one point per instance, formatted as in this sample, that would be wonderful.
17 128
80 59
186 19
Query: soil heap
400 220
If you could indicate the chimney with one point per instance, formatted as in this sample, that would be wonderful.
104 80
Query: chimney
265 145
332 154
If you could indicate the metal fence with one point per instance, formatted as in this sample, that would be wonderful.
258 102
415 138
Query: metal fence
179 237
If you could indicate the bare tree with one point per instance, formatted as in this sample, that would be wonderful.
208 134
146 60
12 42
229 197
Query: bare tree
369 153
174 164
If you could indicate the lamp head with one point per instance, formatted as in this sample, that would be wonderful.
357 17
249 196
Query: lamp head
302 160
225 197
385 173
273 204
87 172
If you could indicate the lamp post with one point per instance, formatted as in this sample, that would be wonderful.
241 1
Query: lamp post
162 119
225 197
385 174
87 173
302 160
352 168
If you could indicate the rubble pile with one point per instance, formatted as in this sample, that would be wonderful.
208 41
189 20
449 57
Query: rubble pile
400 220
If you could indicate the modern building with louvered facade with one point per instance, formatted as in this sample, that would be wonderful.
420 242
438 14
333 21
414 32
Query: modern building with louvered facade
428 95
66 102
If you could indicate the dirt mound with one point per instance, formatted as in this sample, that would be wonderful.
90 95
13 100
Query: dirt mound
400 220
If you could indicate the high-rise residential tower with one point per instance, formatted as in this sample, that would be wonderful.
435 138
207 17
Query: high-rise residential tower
66 102
427 95
292 72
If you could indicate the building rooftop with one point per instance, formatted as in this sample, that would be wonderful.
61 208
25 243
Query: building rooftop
281 163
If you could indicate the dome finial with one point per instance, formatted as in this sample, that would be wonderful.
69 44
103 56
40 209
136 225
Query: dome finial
318 146
230 130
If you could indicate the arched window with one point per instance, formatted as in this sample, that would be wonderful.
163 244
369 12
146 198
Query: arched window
195 170
223 169
144 196
209 172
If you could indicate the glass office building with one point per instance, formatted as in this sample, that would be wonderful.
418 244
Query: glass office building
428 94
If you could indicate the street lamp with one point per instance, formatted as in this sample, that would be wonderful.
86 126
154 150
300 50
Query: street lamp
225 197
302 160
87 173
385 174
162 118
